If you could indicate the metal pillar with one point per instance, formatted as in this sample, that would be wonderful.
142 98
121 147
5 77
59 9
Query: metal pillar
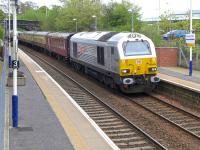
76 24
190 64
132 22
132 13
95 23
9 44
15 67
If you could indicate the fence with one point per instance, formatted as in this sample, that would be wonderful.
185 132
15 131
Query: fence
184 55
2 98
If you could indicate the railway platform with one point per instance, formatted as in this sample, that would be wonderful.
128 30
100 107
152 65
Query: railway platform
179 76
49 118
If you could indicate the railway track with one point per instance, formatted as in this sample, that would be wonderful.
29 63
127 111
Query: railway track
121 131
180 118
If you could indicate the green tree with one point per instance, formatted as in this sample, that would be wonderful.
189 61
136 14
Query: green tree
49 23
30 11
165 25
27 5
117 17
2 16
82 11
1 32
152 32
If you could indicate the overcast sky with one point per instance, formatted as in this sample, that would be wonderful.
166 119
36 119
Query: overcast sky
150 8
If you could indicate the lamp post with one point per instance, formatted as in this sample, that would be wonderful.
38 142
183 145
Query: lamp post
15 66
76 24
132 28
95 26
190 64
158 14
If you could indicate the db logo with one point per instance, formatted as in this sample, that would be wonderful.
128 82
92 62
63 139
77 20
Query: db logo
138 62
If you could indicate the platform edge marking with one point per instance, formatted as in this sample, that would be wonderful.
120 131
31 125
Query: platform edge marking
74 137
97 128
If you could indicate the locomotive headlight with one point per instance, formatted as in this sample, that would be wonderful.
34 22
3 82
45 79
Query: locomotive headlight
153 69
124 71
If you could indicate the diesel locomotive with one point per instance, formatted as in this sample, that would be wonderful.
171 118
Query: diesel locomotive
120 60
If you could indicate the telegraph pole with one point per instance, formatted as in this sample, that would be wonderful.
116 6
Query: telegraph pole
15 65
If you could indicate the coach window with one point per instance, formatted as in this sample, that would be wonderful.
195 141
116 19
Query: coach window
75 49
100 55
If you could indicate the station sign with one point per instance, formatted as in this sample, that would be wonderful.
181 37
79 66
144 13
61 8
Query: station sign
190 40
15 64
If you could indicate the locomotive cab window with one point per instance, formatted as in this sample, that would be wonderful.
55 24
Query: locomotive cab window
75 49
132 48
100 55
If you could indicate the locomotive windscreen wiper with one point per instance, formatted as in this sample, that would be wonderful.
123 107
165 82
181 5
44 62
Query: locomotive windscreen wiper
125 45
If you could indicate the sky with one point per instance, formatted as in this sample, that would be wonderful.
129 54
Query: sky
149 8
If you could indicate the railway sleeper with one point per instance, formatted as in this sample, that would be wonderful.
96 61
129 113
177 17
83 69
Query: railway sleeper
177 117
116 132
111 123
113 128
197 132
107 120
168 113
143 148
100 115
137 144
97 116
104 118
133 142
125 139
100 112
194 128
122 135
188 124
93 107
86 103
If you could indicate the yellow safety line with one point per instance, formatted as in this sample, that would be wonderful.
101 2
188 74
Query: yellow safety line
73 134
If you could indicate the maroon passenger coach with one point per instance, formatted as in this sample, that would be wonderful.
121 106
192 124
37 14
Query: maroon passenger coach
58 43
